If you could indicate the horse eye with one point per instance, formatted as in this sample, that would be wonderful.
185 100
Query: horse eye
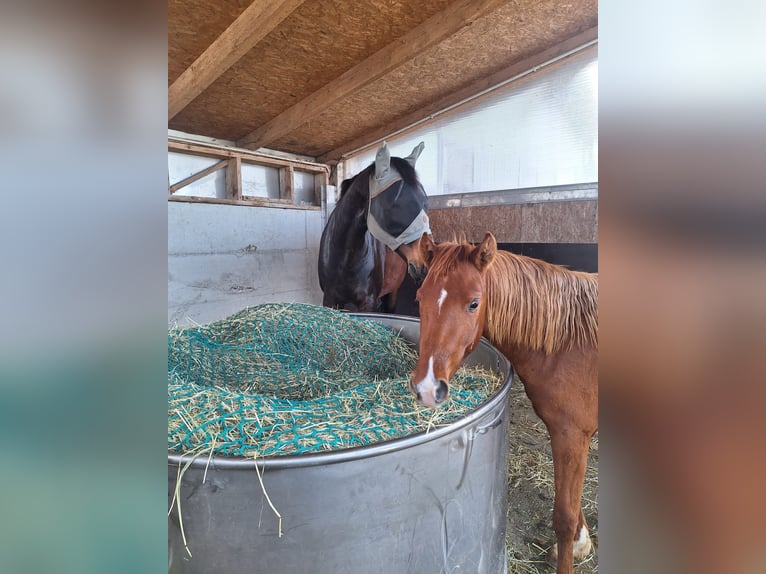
473 305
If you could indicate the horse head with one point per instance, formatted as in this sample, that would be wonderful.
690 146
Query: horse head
398 203
416 267
452 312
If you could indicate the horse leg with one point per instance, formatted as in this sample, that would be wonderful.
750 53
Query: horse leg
570 455
328 301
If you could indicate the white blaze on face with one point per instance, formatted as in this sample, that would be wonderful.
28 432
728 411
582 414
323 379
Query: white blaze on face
441 299
427 385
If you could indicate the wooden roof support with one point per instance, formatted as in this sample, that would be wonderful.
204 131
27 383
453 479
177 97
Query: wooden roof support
258 19
429 112
428 34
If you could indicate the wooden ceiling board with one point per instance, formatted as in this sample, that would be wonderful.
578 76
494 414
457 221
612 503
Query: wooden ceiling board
509 35
476 91
195 24
323 39
320 41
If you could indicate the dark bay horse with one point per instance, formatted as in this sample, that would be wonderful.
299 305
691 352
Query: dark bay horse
357 270
544 318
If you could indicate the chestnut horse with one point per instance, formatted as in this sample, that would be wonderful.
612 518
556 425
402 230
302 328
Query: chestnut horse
544 318
357 270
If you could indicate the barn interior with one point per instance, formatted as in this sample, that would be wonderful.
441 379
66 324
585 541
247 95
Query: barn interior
272 104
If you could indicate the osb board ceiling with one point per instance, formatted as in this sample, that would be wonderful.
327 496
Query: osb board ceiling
192 27
313 84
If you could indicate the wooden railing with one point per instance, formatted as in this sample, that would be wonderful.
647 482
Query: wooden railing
231 160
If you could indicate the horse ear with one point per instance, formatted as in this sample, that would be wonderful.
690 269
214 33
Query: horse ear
427 248
485 252
382 161
415 154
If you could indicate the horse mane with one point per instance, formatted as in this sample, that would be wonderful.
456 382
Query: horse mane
347 183
538 305
449 255
408 173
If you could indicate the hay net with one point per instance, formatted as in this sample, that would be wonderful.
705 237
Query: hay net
281 379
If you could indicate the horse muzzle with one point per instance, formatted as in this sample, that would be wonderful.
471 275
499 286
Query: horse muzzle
417 273
431 393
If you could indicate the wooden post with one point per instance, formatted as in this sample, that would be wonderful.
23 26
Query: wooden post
234 178
320 180
286 184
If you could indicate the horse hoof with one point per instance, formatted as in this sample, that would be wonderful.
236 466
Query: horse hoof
580 549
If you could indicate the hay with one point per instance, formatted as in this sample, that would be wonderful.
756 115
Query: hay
281 379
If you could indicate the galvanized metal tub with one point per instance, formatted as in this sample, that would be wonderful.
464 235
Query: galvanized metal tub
426 503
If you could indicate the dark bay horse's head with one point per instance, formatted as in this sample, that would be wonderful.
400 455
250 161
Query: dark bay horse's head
398 203
453 311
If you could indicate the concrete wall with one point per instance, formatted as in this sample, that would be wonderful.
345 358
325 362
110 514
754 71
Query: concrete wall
222 258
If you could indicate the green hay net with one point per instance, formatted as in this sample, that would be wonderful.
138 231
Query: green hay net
282 379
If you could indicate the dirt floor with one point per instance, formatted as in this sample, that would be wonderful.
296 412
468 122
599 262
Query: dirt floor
529 535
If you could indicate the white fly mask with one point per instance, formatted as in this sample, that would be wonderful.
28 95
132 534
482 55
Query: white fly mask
397 213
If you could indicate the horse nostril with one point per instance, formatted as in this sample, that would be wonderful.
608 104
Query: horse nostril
417 273
418 395
441 391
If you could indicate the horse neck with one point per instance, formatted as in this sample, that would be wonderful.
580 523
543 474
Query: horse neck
532 366
348 224
350 214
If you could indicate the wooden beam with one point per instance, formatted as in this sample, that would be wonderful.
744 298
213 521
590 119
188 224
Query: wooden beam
429 113
199 175
250 202
249 156
428 34
258 19
287 184
234 178
320 181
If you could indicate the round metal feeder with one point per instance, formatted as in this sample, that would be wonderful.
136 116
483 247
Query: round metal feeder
427 503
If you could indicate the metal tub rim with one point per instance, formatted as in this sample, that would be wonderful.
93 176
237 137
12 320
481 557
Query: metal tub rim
359 452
